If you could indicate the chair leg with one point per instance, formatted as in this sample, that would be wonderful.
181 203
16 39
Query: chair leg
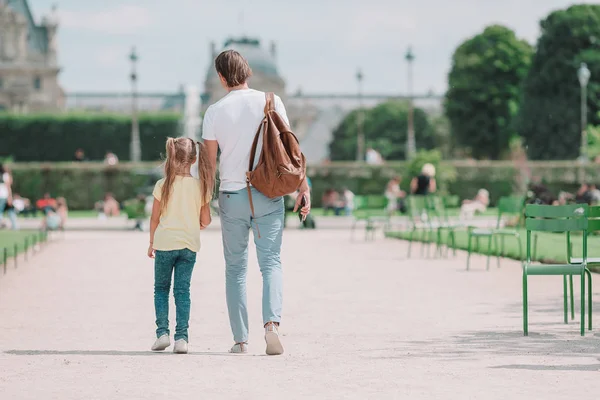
499 250
489 254
572 297
454 243
583 303
535 241
566 306
469 251
410 240
520 249
525 311
589 277
352 230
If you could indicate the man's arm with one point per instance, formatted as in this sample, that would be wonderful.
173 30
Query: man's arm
212 147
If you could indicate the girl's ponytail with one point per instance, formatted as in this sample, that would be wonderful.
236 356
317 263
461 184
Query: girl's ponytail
170 173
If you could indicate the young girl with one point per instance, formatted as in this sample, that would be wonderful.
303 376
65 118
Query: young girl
181 209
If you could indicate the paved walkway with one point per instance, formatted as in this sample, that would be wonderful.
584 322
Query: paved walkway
360 322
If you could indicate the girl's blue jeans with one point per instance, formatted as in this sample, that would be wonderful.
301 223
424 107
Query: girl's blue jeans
179 264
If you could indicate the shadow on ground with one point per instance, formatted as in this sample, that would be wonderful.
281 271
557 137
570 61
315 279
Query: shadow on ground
107 353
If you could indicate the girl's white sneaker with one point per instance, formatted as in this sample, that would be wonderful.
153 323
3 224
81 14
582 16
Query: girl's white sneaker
274 346
161 343
181 347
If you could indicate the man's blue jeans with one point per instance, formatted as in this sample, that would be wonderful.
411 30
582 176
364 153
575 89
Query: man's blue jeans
236 222
165 262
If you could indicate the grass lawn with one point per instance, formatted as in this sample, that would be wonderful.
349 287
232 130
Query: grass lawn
452 212
8 239
551 247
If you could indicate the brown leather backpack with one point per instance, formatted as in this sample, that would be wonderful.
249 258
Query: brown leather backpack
281 167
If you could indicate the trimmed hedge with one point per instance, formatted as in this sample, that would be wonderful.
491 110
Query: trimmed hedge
82 184
56 137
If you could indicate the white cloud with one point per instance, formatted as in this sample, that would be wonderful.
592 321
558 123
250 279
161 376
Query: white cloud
124 19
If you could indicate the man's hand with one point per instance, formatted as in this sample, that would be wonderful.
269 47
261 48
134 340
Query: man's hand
306 209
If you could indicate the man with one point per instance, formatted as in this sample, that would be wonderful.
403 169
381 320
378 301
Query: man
230 125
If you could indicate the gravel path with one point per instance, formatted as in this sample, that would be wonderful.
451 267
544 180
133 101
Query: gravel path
360 322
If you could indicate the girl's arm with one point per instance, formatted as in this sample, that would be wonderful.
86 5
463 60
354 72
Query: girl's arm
154 220
205 218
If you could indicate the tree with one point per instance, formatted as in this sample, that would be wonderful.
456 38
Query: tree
549 119
385 129
484 90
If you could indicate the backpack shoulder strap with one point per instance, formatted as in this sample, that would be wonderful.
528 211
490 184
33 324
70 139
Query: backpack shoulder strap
270 102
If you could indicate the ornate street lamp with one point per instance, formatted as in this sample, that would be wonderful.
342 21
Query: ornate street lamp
360 147
584 77
135 147
411 146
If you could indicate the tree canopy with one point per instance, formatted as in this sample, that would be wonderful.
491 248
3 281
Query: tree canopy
385 129
549 119
485 89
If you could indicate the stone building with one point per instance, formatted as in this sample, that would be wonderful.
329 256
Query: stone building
28 60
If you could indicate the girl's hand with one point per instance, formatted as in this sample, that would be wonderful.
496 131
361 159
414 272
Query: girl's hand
150 251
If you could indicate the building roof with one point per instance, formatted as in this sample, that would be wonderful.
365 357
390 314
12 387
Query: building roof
37 38
259 59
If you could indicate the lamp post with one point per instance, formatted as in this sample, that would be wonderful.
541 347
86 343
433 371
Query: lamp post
135 147
360 147
411 146
584 77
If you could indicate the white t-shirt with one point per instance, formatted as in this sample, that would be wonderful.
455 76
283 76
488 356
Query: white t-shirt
4 185
232 122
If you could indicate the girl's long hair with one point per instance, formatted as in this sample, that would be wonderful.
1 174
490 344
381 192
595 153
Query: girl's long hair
181 153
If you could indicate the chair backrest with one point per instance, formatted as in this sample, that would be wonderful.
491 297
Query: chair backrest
360 202
511 205
569 218
376 202
593 219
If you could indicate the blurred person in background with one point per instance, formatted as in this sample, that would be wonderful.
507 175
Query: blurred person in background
6 197
62 210
424 183
110 206
395 196
373 157
331 201
478 205
46 204
111 158
348 201
79 156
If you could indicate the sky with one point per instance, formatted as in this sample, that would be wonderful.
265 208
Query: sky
320 43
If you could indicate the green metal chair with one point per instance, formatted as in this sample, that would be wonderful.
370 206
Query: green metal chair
593 217
441 222
506 206
567 219
419 221
369 210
